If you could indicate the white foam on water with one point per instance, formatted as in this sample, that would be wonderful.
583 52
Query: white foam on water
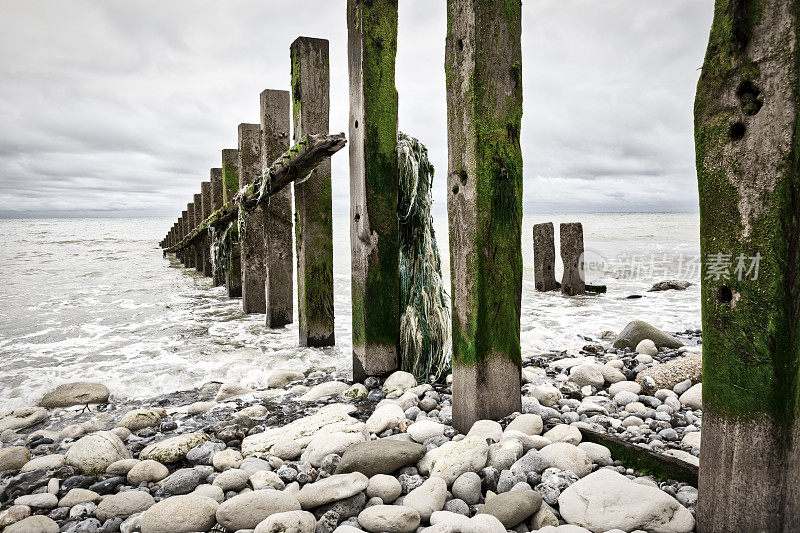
93 299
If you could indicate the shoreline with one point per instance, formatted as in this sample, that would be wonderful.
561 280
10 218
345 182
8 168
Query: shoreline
298 433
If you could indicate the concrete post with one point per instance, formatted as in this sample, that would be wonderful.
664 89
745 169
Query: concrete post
230 179
253 249
199 249
371 50
216 202
572 282
483 68
190 252
278 234
747 142
312 199
544 257
205 187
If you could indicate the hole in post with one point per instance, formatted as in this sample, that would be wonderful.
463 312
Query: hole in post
736 131
455 188
460 45
750 98
357 217
463 177
724 294
356 124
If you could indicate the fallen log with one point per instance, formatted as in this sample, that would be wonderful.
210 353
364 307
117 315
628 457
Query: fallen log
295 165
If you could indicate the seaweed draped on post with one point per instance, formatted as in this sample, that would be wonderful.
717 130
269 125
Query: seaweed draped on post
424 304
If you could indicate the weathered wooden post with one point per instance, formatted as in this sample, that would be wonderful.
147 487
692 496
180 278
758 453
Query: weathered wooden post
230 181
747 141
544 257
216 202
572 282
190 253
371 50
312 199
198 219
251 237
205 188
184 231
483 67
275 126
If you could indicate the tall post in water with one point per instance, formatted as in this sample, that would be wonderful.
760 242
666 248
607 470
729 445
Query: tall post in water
573 281
251 237
544 257
190 254
205 188
198 246
371 50
184 231
483 67
216 202
312 199
278 234
747 141
230 182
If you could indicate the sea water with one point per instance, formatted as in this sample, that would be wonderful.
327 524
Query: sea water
93 299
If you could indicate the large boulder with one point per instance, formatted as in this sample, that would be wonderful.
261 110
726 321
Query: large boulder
636 331
180 514
173 449
23 418
452 459
386 416
399 382
382 456
513 508
94 453
693 398
328 419
667 375
247 510
33 524
670 285
79 393
607 500
337 443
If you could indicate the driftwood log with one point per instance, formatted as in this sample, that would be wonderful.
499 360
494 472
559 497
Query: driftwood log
295 165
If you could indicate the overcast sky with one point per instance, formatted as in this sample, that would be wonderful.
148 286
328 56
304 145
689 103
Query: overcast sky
120 107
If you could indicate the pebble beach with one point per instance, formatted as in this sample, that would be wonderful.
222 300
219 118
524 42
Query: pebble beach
314 452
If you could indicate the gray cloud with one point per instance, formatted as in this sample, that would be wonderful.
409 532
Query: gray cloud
121 107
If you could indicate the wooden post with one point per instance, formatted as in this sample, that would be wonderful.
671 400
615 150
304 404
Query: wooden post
253 249
230 180
747 142
312 199
205 188
216 202
190 253
278 234
572 282
198 219
483 68
371 50
184 231
544 257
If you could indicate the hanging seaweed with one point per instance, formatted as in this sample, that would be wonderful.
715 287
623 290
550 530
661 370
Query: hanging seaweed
424 303
222 243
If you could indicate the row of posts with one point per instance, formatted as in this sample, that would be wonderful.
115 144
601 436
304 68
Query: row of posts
260 265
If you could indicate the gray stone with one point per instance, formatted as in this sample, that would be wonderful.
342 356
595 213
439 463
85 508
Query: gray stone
173 449
201 455
513 508
467 487
124 504
33 524
79 393
533 461
427 498
148 470
389 519
388 488
331 489
288 522
380 456
94 453
14 457
180 514
141 418
636 331
43 500
246 511
183 481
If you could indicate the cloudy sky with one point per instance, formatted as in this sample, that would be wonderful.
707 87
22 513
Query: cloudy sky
120 107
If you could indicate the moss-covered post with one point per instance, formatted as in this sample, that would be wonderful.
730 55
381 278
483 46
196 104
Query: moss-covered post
312 199
573 279
483 68
205 188
747 140
184 231
216 202
275 126
230 182
544 257
199 249
190 224
371 50
253 246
